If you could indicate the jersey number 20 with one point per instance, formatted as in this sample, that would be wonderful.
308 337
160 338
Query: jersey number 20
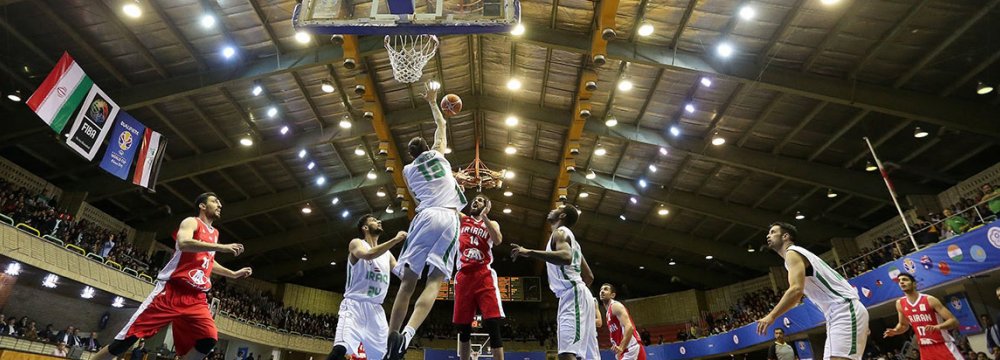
431 169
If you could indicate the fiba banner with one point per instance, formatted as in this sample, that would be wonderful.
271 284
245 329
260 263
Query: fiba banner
92 123
125 139
804 349
959 306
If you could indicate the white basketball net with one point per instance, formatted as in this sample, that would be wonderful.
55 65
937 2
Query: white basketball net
408 54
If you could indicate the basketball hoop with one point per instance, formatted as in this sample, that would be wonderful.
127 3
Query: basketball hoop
477 175
408 54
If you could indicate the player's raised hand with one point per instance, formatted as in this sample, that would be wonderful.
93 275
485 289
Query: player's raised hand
401 236
518 251
235 249
486 208
763 323
431 91
243 273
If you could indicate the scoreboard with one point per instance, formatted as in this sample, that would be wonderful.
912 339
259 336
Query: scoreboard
511 289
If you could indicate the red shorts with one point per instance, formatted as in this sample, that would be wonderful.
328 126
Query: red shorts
946 351
186 309
476 289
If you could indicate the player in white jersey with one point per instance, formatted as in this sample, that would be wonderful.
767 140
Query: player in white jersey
569 278
433 232
846 317
362 328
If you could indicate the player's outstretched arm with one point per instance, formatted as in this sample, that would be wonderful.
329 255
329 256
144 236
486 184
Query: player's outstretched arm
441 132
187 243
359 252
902 324
796 281
950 322
562 255
227 273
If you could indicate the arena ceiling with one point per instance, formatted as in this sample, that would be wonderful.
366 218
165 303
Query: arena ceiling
805 83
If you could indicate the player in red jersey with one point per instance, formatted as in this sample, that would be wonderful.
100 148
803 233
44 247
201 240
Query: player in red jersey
924 313
476 283
624 337
178 297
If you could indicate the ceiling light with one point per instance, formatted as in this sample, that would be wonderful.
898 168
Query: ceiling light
675 131
246 140
13 269
302 153
327 86
510 149
706 82
624 84
799 215
611 121
118 302
591 175
360 150
747 12
284 130
311 165
302 37
642 183
507 210
335 201
434 85
333 263
513 84
380 192
750 249
207 21
622 216
228 52
320 180
642 267
689 108
344 214
663 151
645 29
830 193
709 257
389 209
511 120
508 174
633 200
672 262
829 2
983 88
88 293
50 281
272 111
257 88
372 175
132 9
304 257
508 193
307 209
600 150
724 49
869 166
663 211
14 96
517 30
718 139
345 122
919 133
652 168
584 194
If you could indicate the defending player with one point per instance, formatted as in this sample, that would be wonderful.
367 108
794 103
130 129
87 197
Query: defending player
924 313
624 337
846 317
433 232
569 278
476 282
362 327
179 295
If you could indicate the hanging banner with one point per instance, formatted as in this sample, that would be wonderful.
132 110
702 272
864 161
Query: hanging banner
92 123
147 166
62 92
804 349
958 304
126 138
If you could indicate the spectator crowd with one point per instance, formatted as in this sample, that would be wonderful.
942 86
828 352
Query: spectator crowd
27 329
261 307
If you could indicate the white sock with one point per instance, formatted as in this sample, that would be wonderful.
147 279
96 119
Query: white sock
408 333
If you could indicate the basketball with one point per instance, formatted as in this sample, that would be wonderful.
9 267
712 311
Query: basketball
451 104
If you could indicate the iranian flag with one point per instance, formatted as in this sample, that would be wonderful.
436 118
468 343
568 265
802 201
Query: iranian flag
61 93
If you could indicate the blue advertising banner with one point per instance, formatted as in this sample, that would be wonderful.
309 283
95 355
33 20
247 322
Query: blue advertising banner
959 306
971 253
126 137
804 349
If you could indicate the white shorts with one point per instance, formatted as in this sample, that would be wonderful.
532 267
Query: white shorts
362 325
846 330
432 240
576 329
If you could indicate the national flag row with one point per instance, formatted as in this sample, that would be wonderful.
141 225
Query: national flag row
69 97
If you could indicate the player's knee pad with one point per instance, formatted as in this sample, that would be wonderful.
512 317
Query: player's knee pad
119 347
338 353
464 332
205 346
493 328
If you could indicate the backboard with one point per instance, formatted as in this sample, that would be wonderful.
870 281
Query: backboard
401 17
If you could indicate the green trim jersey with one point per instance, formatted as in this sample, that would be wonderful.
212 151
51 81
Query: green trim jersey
368 280
824 286
563 278
432 183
